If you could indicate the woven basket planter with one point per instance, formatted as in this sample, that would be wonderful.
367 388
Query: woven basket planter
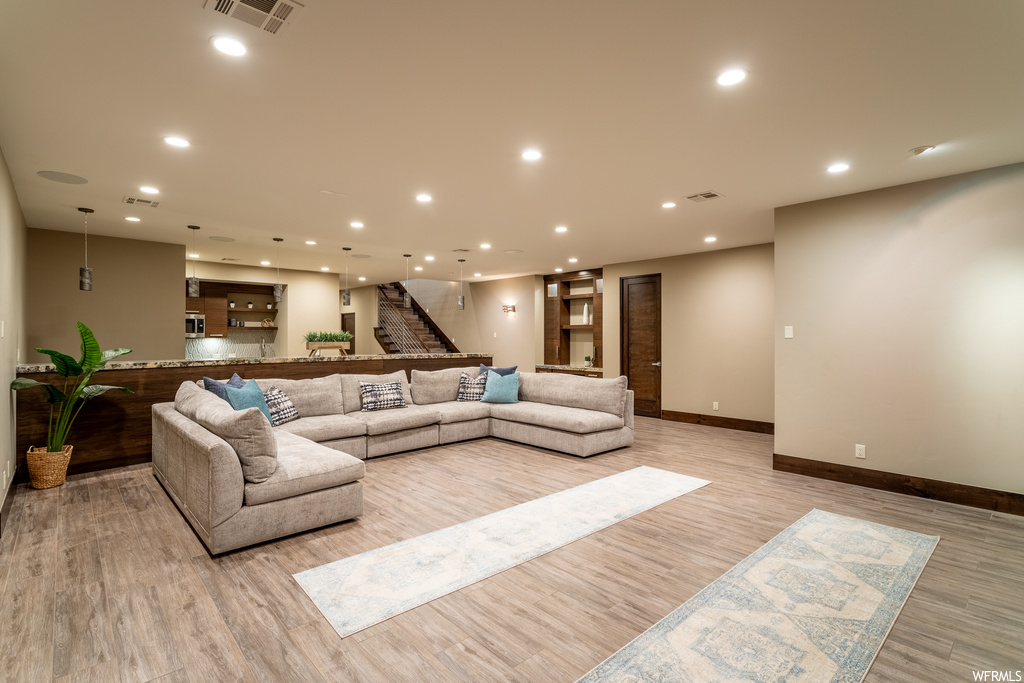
46 469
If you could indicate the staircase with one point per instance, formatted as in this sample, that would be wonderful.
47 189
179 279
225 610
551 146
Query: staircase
406 329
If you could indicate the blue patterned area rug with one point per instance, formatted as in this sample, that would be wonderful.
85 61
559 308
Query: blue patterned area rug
360 591
813 604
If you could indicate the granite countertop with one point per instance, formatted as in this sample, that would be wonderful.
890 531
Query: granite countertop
27 368
573 368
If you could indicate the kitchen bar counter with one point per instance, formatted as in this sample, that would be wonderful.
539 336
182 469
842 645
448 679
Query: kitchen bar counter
115 429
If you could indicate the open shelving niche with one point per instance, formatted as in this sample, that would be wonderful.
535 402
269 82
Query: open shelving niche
568 337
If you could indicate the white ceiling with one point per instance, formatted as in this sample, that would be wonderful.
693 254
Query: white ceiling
381 100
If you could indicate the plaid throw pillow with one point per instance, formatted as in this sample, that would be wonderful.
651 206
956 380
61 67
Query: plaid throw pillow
282 410
381 396
471 389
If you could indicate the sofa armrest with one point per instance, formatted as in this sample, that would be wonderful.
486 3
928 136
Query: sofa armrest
627 414
199 468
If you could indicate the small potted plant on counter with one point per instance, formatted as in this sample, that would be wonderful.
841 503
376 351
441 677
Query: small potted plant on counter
48 466
587 362
316 341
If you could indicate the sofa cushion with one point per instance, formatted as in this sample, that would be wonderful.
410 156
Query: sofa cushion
592 393
304 467
321 428
317 396
247 431
501 388
350 388
437 386
574 420
471 388
249 396
461 411
218 388
388 421
282 410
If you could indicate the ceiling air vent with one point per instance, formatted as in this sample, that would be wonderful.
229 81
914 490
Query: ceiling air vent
703 196
138 201
272 16
460 251
230 260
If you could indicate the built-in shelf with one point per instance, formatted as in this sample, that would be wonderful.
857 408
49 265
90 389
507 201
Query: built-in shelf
577 296
249 327
577 327
252 310
566 297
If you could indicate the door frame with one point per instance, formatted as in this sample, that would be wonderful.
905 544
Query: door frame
624 328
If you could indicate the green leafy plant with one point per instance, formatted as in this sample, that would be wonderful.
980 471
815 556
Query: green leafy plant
66 402
342 336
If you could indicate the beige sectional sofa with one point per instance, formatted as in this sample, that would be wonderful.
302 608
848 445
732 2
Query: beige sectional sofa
240 481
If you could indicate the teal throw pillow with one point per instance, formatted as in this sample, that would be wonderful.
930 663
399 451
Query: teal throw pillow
248 396
501 388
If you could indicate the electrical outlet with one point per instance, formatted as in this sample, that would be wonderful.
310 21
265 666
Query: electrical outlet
860 451
714 405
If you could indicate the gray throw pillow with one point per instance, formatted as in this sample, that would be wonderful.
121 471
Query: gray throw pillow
282 410
381 396
219 388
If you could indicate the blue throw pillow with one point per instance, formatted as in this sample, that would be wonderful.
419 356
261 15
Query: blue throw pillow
248 396
501 371
218 388
501 388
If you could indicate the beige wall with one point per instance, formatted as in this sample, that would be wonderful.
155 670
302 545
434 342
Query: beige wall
907 305
441 299
364 305
13 235
511 341
137 300
716 330
311 300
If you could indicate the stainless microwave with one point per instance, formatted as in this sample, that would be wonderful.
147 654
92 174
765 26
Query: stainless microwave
195 325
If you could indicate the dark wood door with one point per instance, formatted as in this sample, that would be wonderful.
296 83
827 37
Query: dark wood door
348 324
641 341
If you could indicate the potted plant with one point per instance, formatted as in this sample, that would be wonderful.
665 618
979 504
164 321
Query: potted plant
315 341
48 466
586 361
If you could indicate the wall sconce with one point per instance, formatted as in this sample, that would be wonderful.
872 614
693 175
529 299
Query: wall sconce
510 310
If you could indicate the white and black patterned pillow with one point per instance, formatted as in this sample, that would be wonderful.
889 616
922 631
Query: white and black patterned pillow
381 396
470 388
282 410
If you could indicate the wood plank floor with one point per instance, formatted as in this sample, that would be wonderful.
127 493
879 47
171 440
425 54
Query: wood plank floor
102 579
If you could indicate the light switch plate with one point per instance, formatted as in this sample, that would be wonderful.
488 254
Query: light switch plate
788 331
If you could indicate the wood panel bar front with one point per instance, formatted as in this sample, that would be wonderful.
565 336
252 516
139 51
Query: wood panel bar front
115 429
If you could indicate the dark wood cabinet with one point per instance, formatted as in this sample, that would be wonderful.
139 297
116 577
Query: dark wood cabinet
568 335
213 303
216 315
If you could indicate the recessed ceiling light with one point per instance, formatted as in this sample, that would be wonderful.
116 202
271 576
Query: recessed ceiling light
428 258
923 149
558 270
362 279
572 260
356 224
149 190
668 205
132 219
176 142
561 228
424 198
531 154
477 274
838 167
485 246
229 46
731 77
264 263
709 239
324 268
193 255
418 268
310 242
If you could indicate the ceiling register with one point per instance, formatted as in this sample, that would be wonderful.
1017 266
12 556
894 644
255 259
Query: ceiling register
272 16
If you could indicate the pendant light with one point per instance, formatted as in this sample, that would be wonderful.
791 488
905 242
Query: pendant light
193 282
407 298
462 299
346 296
85 274
278 288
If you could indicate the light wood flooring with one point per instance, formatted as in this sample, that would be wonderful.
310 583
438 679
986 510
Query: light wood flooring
103 580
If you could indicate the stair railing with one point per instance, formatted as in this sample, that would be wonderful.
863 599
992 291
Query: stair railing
427 320
396 327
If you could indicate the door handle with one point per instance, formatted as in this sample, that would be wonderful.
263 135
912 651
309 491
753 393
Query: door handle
658 363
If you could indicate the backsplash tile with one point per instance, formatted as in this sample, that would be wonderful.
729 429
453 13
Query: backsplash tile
240 343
